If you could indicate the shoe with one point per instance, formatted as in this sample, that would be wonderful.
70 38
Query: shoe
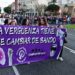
60 58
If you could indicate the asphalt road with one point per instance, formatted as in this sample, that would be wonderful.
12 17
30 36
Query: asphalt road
49 67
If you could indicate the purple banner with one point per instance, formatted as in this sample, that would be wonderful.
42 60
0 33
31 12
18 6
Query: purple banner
20 44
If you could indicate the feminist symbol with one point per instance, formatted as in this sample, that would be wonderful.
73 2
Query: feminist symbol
21 53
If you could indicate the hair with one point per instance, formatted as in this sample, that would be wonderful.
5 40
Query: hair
24 21
6 22
45 22
14 20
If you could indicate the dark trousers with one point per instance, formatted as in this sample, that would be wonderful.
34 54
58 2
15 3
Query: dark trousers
61 52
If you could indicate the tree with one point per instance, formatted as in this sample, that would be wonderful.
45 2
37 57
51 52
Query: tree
7 10
0 10
65 5
53 1
40 9
53 8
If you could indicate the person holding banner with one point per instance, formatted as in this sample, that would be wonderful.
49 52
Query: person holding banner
60 33
13 22
42 22
26 22
7 21
36 21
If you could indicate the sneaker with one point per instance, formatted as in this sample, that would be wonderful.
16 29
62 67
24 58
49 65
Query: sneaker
60 58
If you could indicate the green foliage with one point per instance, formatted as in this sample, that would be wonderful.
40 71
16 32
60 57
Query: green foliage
53 1
7 10
65 5
53 8
64 13
0 10
70 26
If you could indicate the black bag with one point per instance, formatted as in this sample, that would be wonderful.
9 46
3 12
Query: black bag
65 41
65 34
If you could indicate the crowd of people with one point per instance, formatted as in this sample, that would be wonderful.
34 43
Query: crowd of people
33 20
38 21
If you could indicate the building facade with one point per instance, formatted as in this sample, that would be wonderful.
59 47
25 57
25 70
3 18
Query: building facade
28 7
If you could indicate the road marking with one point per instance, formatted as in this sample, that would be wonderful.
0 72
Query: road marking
71 50
15 70
71 34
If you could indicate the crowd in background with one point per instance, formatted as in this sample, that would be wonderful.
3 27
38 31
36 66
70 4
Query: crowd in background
38 21
34 20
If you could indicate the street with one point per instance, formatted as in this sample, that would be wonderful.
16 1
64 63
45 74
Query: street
49 67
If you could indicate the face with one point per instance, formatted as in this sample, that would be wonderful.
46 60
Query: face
9 21
27 22
14 22
42 22
61 26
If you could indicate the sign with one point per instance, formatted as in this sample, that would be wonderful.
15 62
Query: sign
20 44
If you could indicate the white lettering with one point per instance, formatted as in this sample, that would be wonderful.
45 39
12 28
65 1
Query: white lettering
2 42
1 31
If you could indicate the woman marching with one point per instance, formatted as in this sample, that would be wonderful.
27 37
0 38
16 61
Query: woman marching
42 21
60 33
26 22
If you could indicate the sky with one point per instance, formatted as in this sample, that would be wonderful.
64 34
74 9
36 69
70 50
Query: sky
43 2
4 3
